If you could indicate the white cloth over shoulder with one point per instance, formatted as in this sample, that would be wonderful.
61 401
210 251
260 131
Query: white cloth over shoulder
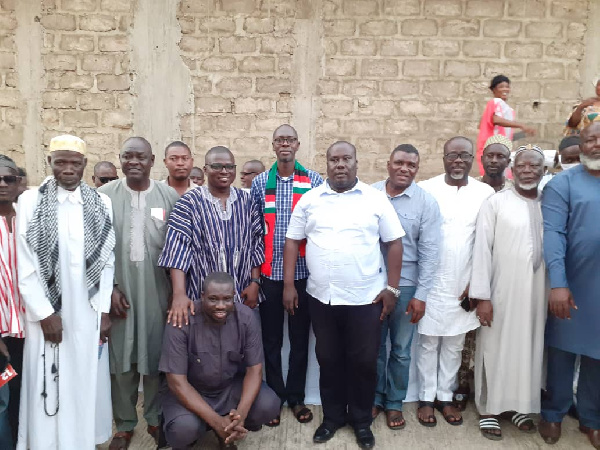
73 427
459 208
343 231
509 354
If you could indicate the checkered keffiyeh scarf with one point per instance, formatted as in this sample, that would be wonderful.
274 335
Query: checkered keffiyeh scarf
42 236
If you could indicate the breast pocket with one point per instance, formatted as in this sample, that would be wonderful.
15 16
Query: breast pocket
203 370
410 223
157 231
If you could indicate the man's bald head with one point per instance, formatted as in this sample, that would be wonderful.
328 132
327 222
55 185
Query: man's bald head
104 165
341 144
137 141
466 142
214 151
285 130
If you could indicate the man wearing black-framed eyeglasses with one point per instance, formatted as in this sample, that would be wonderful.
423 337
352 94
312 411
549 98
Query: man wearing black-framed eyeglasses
213 228
449 314
249 171
104 172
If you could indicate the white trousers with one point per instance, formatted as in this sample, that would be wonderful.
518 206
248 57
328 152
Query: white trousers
438 361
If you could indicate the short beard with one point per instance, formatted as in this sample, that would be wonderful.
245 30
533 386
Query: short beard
589 163
528 186
457 177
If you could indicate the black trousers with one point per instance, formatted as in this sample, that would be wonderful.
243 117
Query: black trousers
15 348
348 340
272 318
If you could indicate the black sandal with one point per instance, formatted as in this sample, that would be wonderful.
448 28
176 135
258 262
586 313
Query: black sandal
431 416
440 407
304 411
273 424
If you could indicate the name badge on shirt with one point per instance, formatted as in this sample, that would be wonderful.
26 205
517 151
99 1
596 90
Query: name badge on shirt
158 213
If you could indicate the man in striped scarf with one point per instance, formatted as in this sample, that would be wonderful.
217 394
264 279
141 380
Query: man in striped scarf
276 193
65 260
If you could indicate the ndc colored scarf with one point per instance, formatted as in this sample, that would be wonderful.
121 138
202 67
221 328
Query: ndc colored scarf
301 185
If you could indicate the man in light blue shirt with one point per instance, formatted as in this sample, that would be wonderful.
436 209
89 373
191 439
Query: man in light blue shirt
420 216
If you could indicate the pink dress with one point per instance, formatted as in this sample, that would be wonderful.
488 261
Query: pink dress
495 107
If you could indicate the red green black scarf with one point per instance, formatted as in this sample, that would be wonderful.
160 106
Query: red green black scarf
301 185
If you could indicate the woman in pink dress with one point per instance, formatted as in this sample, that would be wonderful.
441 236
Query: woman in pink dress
498 117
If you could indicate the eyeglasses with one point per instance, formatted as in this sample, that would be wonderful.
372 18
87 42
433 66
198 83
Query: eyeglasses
289 140
219 167
245 174
454 156
105 180
10 179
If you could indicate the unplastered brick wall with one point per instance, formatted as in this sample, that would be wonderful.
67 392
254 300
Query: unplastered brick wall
375 72
87 81
11 128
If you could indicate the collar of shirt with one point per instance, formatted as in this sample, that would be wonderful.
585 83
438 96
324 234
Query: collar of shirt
73 196
409 191
357 187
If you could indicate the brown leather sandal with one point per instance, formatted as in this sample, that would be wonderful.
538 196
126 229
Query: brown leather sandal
121 440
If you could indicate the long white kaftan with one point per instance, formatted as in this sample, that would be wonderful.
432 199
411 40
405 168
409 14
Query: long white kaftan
508 358
459 208
73 427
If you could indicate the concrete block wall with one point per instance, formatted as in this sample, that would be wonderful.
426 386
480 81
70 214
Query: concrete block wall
375 72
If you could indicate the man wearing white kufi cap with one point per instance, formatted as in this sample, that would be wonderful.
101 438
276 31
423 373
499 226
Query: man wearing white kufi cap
66 265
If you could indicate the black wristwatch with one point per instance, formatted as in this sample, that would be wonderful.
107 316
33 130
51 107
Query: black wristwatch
255 280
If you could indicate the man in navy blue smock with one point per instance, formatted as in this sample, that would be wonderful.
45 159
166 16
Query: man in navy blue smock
571 208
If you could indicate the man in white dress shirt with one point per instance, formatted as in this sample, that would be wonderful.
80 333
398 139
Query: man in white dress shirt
442 330
344 221
65 248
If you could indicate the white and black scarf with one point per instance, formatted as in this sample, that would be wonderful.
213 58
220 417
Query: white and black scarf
42 236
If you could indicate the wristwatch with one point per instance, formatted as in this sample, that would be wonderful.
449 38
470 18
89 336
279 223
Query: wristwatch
255 280
393 290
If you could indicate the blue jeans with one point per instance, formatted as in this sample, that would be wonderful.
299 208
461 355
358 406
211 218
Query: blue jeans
392 373
559 384
5 432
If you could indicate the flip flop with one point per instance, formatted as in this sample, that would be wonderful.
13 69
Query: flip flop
431 416
440 407
392 416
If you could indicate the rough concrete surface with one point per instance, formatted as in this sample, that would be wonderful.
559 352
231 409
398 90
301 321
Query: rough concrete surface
291 435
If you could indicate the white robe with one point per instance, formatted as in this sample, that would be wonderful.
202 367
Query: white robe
508 357
73 427
459 208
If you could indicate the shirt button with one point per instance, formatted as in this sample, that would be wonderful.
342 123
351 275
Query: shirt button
198 360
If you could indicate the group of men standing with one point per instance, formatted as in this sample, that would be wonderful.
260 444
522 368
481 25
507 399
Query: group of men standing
180 266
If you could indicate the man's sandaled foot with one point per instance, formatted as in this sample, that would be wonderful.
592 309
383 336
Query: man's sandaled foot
550 431
302 413
121 440
275 422
395 419
375 411
426 414
451 414
490 428
523 422
153 431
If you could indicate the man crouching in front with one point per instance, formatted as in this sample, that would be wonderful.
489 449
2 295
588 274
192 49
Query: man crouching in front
213 370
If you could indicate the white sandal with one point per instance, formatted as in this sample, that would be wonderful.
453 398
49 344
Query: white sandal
488 424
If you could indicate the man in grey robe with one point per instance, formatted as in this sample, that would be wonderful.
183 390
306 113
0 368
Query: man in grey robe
141 209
